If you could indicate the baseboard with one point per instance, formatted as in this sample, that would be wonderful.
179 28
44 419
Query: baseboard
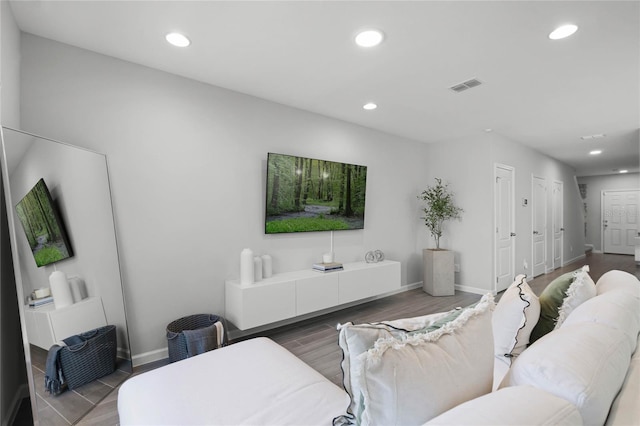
474 290
151 356
21 394
575 259
123 353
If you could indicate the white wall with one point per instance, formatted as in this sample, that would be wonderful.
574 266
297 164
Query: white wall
187 163
595 186
466 167
12 366
528 162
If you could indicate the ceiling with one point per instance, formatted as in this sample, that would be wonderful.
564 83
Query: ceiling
541 93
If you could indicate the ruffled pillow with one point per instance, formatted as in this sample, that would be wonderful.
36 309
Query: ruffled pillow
411 377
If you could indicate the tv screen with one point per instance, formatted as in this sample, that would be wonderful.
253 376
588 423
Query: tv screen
305 194
42 225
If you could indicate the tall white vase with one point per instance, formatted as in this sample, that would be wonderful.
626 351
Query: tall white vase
257 268
60 289
246 266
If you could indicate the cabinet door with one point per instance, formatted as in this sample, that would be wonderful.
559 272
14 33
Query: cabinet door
268 303
356 284
77 318
387 278
316 293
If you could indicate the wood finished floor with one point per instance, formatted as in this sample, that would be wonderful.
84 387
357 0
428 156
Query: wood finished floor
315 340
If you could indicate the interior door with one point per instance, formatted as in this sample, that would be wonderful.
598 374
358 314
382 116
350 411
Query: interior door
504 212
619 221
557 223
539 225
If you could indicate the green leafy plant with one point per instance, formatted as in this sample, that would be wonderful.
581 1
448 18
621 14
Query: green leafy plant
439 208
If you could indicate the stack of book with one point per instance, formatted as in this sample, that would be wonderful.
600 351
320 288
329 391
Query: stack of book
328 267
39 302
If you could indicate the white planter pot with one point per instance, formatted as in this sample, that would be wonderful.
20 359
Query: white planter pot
438 276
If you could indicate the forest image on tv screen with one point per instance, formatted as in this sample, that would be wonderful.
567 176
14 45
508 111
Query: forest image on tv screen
42 226
305 194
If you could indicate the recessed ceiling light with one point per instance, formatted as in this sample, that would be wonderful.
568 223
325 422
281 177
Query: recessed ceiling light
595 152
488 130
178 40
369 38
563 31
624 171
369 106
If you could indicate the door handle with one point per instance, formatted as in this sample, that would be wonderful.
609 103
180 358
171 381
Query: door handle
535 233
562 229
513 234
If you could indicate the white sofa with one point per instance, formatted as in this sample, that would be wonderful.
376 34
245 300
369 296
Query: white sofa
585 372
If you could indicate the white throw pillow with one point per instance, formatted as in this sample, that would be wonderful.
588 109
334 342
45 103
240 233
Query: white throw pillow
515 315
412 378
583 363
354 339
581 289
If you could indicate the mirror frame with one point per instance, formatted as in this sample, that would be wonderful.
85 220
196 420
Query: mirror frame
11 219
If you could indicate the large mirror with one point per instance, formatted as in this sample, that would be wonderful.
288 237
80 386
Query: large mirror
66 296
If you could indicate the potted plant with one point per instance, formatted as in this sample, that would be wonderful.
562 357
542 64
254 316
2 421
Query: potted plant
438 279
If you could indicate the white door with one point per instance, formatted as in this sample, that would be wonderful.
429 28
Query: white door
619 221
504 212
539 225
557 225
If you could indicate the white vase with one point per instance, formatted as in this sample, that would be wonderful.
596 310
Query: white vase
257 268
246 266
60 289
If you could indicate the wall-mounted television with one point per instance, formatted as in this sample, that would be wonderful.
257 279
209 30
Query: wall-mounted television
305 194
42 226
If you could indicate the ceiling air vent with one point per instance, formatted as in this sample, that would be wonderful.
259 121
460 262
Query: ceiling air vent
461 87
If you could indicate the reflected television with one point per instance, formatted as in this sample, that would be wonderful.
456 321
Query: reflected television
45 231
306 195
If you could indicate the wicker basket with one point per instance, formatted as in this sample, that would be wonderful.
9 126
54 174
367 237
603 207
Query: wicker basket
176 341
94 358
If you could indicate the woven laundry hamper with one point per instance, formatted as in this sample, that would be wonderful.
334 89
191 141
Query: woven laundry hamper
176 340
95 357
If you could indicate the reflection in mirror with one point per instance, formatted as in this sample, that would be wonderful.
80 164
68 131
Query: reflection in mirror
72 295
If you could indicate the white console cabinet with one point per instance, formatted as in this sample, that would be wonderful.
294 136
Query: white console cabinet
47 325
291 294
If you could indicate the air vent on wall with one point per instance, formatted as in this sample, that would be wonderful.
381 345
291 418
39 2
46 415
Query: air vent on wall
460 87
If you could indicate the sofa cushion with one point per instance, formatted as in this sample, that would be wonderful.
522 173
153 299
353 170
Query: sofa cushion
515 315
618 280
562 296
354 339
616 309
624 410
583 363
517 405
412 378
